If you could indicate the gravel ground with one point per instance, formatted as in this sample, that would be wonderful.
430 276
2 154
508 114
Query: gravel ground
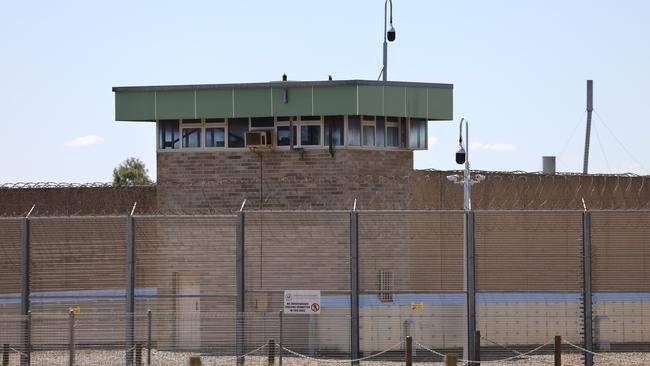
162 358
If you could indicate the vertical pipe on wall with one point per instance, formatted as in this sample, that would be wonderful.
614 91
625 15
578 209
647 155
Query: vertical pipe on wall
586 295
25 355
130 290
354 286
239 280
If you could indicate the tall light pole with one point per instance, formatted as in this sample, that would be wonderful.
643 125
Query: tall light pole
389 36
469 286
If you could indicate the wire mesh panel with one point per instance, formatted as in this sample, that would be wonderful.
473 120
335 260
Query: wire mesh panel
621 280
10 271
185 272
529 278
297 250
11 338
411 279
411 251
78 262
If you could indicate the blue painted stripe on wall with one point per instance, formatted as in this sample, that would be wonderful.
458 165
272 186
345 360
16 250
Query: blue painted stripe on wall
343 301
78 296
621 296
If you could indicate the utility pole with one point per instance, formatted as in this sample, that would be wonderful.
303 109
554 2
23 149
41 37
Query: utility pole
590 108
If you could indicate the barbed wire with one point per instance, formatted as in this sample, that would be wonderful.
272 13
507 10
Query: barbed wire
417 190
37 185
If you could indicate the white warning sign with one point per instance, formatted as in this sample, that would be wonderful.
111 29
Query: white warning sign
302 302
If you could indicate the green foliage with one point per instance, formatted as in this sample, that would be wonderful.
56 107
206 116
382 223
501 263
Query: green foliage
131 172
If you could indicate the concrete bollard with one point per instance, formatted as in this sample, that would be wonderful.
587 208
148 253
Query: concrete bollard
557 350
195 361
451 360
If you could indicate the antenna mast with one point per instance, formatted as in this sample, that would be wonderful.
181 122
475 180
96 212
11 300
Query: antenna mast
590 108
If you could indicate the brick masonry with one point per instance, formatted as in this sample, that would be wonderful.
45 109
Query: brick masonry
199 182
313 179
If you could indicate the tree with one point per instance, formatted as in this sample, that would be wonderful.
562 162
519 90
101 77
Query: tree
131 172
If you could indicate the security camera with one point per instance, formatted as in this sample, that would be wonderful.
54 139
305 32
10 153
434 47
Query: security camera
460 156
391 34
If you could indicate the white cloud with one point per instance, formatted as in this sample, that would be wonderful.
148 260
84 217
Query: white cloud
432 140
492 147
632 166
84 141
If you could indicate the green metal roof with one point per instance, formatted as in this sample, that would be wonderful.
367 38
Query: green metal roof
341 97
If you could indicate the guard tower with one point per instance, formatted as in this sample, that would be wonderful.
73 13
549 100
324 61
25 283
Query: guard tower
286 144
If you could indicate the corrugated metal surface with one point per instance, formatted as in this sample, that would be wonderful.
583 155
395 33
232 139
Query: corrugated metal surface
432 101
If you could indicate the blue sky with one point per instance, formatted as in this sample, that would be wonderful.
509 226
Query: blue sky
518 68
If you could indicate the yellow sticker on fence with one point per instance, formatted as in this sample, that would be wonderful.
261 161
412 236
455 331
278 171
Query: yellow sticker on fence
417 305
75 309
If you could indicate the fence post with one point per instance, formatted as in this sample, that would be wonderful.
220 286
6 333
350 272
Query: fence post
5 354
149 337
408 351
354 286
557 350
25 263
470 285
130 289
138 354
281 350
271 352
450 360
586 294
71 351
241 288
477 348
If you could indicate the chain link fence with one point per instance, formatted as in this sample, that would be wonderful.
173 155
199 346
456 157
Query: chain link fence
213 286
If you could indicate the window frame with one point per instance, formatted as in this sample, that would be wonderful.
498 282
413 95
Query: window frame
391 124
386 285
425 136
235 148
343 130
223 125
157 135
369 121
298 122
284 123
301 123
191 125
347 132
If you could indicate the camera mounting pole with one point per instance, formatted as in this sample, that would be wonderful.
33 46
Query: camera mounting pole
389 36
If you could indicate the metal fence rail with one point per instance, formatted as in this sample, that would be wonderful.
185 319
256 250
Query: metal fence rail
167 287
